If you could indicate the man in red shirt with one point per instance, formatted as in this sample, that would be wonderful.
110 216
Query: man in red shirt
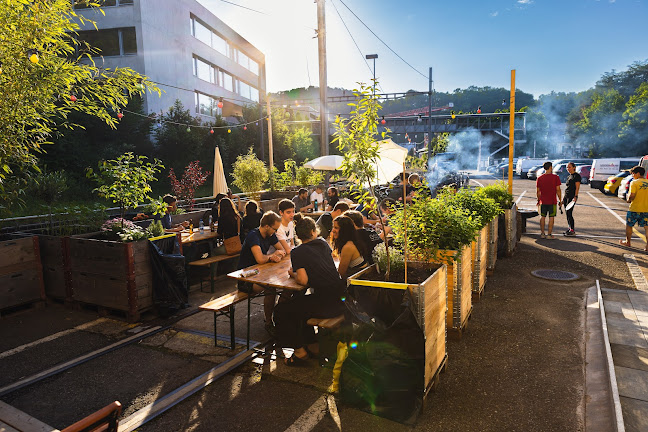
548 192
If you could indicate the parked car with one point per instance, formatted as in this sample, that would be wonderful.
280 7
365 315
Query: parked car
584 171
612 185
523 166
502 170
604 168
535 172
624 187
494 168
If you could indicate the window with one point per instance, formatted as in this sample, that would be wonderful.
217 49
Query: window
202 33
111 42
254 67
206 105
226 81
248 91
220 44
254 94
83 4
203 70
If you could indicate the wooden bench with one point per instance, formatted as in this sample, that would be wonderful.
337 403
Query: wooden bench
326 323
211 262
328 339
224 306
106 419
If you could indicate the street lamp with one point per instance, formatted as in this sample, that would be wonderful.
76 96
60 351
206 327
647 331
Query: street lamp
373 57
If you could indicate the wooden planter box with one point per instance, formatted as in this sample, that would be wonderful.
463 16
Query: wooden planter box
429 308
491 240
509 220
21 275
55 260
112 275
459 287
479 260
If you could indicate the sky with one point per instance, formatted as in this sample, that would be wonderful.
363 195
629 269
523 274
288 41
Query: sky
554 45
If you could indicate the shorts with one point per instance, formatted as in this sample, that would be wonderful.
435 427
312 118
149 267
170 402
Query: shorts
548 210
633 218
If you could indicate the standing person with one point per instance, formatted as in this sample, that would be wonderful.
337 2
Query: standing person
348 246
233 197
251 218
638 199
318 196
286 231
255 251
313 266
301 201
333 198
572 186
325 222
547 189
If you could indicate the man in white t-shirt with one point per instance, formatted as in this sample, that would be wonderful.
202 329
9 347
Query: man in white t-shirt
318 194
286 231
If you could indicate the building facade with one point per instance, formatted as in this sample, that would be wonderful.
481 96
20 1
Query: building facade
183 47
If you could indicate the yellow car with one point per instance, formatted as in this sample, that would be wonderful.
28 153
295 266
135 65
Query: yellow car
614 181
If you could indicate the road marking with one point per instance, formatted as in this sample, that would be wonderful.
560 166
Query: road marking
50 338
641 236
520 197
311 417
480 185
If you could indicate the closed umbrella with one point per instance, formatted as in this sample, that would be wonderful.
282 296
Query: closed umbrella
325 163
220 184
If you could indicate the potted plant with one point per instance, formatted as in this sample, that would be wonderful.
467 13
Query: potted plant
504 242
250 174
483 210
436 231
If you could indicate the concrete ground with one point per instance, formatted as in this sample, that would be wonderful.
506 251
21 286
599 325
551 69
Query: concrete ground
519 367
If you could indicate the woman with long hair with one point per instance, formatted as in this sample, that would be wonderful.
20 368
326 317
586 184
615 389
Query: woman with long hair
313 266
228 219
348 246
251 218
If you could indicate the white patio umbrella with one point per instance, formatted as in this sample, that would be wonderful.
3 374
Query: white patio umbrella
220 184
325 163
392 156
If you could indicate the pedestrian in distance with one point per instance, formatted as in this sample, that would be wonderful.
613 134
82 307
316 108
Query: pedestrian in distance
549 194
638 199
572 186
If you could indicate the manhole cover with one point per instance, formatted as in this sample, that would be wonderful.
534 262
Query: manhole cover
555 275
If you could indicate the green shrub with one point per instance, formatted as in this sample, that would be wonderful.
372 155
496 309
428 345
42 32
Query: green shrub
395 258
156 229
498 191
250 174
482 208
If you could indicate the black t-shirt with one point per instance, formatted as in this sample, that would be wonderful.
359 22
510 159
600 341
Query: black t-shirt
251 221
333 200
370 239
254 238
325 224
227 227
323 278
570 185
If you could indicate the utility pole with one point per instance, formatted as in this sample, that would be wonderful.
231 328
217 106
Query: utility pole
511 133
429 125
262 73
321 48
270 153
373 57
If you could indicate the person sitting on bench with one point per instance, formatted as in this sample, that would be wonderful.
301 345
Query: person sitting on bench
254 251
312 265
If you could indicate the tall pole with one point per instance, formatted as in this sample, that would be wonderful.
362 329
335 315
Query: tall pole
430 116
270 152
511 133
262 73
321 48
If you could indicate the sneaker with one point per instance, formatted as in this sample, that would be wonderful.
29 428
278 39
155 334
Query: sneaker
543 236
570 232
550 237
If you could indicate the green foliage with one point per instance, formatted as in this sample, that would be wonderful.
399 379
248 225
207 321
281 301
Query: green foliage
250 174
634 127
308 177
482 208
35 97
156 206
302 142
155 229
499 193
125 180
77 219
395 259
433 225
49 187
598 127
286 178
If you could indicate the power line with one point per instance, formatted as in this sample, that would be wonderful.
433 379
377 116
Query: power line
383 42
244 7
161 120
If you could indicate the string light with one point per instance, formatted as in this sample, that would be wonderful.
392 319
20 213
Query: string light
244 127
220 103
229 130
0 67
139 86
188 128
479 109
383 121
33 55
453 115
73 98
120 115
420 118
211 131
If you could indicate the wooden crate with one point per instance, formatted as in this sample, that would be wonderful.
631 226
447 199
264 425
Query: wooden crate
21 273
55 260
459 286
510 218
429 307
479 259
112 275
492 245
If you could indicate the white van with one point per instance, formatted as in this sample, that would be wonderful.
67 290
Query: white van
604 168
523 165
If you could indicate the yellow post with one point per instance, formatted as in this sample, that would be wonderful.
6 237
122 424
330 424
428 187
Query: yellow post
511 133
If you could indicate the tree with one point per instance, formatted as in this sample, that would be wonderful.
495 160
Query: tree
598 129
126 180
46 75
49 186
302 142
192 178
634 128
250 174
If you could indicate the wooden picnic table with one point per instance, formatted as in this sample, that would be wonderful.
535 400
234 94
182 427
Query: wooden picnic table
196 236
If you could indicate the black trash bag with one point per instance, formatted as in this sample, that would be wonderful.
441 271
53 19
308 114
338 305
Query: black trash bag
384 372
169 276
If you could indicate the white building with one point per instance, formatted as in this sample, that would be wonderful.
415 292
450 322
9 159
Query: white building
183 47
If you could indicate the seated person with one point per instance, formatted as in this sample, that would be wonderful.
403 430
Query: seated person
213 212
254 251
251 218
325 222
369 237
348 246
313 266
369 213
172 205
229 219
301 201
318 196
233 197
333 198
286 231
414 188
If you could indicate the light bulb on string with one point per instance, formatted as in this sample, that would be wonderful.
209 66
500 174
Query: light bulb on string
452 114
0 68
120 115
244 127
420 118
139 86
33 55
188 128
73 98
220 103
479 109
211 131
229 130
383 121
